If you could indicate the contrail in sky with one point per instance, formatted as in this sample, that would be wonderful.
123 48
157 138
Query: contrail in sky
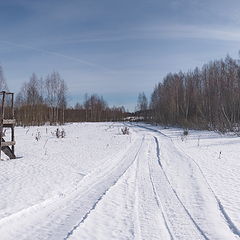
58 55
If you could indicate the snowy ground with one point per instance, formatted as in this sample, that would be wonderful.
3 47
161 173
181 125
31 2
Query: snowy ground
98 184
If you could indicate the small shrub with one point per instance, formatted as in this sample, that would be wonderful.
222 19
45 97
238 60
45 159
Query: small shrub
38 136
57 133
184 135
125 131
185 132
60 133
63 133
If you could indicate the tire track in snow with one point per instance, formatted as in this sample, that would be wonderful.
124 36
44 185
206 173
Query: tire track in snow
227 218
101 197
61 212
136 182
175 193
160 205
137 227
123 222
233 228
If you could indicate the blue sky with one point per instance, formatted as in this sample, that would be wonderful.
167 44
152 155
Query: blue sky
116 48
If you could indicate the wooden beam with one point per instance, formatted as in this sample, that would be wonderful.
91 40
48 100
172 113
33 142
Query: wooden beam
7 93
5 144
9 121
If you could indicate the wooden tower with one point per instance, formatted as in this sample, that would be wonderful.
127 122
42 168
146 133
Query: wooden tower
7 121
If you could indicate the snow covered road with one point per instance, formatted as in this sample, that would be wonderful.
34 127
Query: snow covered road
99 184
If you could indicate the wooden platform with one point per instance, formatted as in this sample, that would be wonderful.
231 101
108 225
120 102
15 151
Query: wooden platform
9 122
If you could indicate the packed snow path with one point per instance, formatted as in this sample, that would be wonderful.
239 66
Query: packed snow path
143 186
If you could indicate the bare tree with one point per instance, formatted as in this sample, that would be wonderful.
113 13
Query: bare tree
142 103
56 91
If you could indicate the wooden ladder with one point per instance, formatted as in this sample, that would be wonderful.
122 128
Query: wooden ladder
7 123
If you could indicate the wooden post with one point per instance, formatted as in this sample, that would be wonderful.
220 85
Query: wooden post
12 105
12 139
2 117
12 128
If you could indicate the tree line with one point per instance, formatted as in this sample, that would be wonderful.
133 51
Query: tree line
206 98
95 109
44 100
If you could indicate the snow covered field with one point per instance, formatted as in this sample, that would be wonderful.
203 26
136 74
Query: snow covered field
99 184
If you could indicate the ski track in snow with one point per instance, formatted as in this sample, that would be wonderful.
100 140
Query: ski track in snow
143 187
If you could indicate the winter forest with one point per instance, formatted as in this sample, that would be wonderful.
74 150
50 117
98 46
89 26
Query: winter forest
203 98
